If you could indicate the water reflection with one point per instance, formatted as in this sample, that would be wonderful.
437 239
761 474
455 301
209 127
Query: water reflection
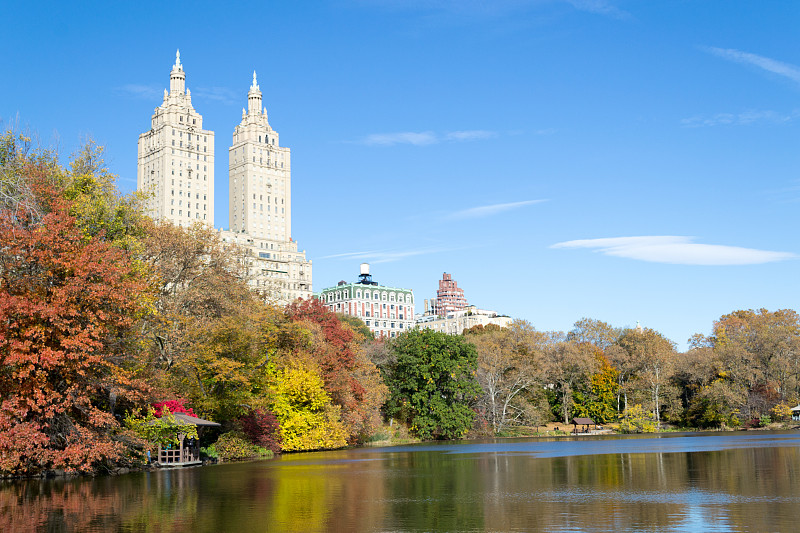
716 482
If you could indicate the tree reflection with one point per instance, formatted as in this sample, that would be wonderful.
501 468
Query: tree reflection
433 488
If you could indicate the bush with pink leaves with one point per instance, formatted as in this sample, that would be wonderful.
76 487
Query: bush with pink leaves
174 406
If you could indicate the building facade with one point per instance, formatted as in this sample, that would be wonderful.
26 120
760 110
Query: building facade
260 207
457 321
176 170
449 297
176 158
387 311
275 269
259 176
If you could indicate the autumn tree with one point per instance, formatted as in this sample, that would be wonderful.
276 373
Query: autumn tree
307 417
432 383
352 380
760 351
68 301
597 398
509 370
653 357
569 366
593 331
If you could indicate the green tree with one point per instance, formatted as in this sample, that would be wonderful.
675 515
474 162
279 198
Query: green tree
432 384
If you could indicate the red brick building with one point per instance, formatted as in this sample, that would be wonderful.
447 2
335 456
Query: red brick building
449 297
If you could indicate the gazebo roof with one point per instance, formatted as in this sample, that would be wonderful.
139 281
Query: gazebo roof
796 408
187 419
583 421
182 418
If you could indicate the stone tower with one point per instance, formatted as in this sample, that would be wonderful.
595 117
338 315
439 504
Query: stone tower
259 176
176 158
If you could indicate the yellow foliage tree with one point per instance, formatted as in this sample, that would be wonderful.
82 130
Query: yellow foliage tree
308 419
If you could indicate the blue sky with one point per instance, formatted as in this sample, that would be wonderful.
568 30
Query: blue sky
619 160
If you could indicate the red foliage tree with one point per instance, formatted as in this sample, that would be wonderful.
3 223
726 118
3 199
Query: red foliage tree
336 356
67 302
263 429
352 380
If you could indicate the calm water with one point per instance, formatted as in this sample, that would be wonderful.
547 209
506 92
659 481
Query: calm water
675 482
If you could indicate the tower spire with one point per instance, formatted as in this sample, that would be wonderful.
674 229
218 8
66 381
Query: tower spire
254 97
177 78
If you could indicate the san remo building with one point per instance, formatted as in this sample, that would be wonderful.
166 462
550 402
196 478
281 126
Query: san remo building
176 172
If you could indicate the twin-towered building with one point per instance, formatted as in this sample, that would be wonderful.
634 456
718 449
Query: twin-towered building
176 170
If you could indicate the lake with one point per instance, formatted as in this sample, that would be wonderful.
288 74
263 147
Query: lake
742 481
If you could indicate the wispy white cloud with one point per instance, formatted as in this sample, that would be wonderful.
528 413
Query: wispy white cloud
469 135
677 250
770 65
424 138
348 255
385 256
740 119
489 210
146 92
599 7
406 137
218 94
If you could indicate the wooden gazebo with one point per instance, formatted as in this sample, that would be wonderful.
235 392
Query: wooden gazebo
187 452
585 422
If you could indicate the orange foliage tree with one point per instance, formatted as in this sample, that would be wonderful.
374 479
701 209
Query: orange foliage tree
67 302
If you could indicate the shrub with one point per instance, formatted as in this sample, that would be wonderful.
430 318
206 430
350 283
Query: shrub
262 429
173 406
234 446
636 420
782 412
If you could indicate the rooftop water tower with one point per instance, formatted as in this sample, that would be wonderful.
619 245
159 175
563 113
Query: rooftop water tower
365 278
